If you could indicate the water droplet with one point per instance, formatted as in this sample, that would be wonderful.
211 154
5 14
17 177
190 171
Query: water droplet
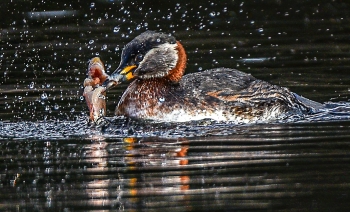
212 14
19 97
91 41
116 29
56 107
72 110
31 85
116 48
43 96
260 30
81 98
200 69
161 99
92 5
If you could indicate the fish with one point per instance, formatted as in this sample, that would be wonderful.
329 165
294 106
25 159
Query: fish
94 93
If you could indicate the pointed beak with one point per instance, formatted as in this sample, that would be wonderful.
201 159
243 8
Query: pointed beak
122 74
127 72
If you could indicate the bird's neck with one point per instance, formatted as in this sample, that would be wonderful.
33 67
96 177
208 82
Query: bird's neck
176 73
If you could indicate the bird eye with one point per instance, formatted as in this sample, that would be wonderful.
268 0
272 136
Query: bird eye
138 58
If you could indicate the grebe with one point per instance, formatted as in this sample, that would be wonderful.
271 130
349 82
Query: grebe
155 64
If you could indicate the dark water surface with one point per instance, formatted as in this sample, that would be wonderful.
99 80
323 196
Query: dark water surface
50 159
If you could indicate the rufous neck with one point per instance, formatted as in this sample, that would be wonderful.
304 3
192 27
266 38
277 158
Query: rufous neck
176 73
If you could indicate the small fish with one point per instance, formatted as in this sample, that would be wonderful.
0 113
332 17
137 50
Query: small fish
96 101
94 92
96 73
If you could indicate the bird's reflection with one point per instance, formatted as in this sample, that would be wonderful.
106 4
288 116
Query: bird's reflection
132 163
254 169
158 172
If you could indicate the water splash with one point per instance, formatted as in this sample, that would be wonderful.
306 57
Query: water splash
116 127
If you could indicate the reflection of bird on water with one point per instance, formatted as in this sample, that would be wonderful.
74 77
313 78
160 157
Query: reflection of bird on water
155 63
154 153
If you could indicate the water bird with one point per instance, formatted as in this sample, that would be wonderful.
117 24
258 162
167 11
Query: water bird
154 63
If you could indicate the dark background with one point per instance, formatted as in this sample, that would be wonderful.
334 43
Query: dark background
302 45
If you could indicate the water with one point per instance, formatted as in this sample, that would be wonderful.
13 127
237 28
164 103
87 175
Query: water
51 159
